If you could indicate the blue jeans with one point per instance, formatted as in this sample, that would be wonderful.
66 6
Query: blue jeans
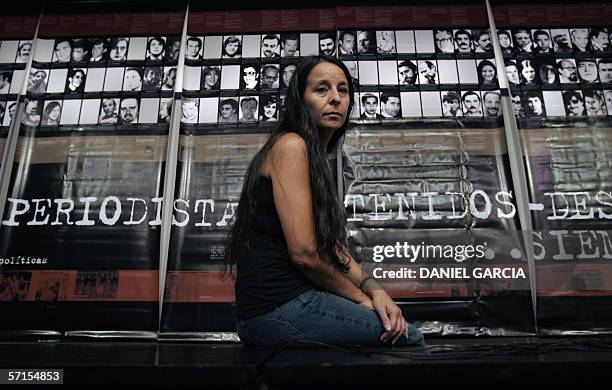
319 317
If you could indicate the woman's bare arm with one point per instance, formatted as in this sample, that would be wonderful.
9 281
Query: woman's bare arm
287 165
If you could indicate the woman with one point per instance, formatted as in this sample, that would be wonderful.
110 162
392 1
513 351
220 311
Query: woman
487 74
232 47
268 109
211 77
505 41
528 73
51 114
288 244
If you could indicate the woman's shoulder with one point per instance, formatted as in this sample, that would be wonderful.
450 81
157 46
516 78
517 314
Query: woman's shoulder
289 148
289 142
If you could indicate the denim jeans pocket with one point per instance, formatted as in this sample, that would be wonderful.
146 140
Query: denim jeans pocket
275 330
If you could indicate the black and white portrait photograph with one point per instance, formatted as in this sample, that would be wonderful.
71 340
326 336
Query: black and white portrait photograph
109 111
347 42
451 104
472 104
270 76
366 42
353 69
99 50
37 82
232 46
541 41
270 45
428 72
51 113
444 41
228 110
193 48
75 82
190 108
128 111
290 45
132 79
118 49
487 72
573 101
80 50
385 42
23 52
561 40
156 49
482 41
462 41
604 68
512 72
522 41
249 76
528 73
5 81
505 41
566 69
547 70
287 73
211 78
269 108
390 105
169 78
580 40
327 44
173 48
407 72
165 110
533 103
62 50
490 102
600 39
152 78
595 103
248 109
370 105
587 70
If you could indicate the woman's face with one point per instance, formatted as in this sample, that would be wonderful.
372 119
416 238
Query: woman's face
270 110
210 80
488 73
327 96
108 106
55 113
504 41
231 48
547 73
528 73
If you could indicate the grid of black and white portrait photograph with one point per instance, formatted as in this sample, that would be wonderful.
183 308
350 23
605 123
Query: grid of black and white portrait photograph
14 54
558 72
111 81
124 110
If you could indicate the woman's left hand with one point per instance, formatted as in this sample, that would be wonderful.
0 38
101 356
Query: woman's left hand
391 317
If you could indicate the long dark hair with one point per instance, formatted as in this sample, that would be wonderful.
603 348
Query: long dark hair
329 220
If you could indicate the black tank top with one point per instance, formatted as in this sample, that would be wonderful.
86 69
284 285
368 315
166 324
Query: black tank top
265 276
